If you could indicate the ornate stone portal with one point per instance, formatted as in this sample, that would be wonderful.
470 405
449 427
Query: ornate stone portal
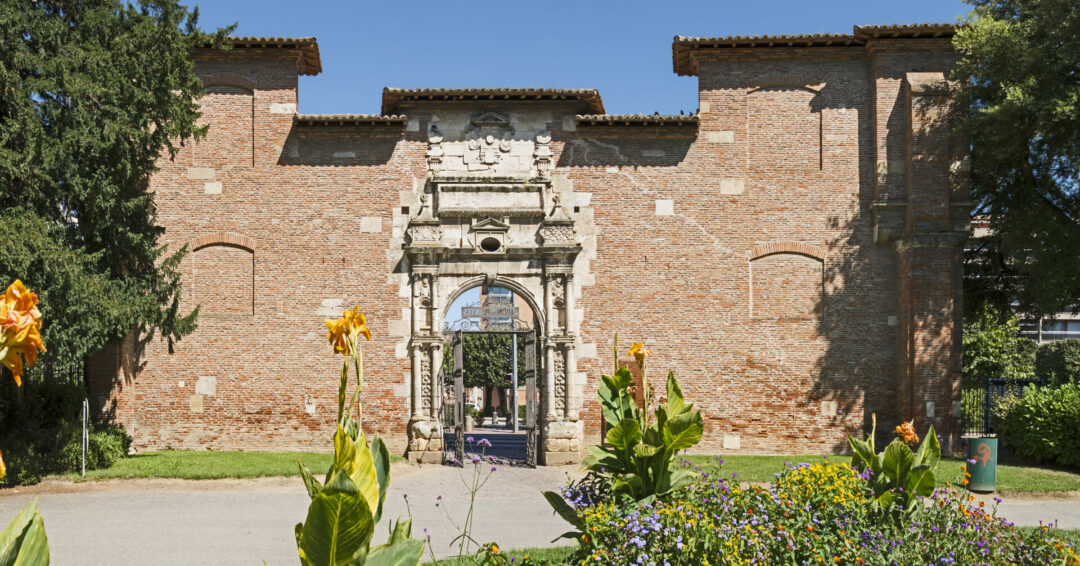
489 215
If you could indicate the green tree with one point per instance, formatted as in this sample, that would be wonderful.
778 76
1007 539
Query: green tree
993 348
92 94
486 360
1021 67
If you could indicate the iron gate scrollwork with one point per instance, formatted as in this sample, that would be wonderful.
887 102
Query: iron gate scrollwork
459 399
531 405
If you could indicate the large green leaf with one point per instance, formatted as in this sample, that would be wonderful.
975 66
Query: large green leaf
675 403
354 458
920 481
564 509
603 460
929 453
675 480
405 552
313 486
24 540
683 431
624 436
645 451
863 455
339 525
380 458
897 461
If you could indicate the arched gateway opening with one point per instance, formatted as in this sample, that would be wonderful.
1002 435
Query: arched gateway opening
489 216
489 378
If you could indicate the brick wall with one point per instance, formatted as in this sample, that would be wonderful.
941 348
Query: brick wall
767 287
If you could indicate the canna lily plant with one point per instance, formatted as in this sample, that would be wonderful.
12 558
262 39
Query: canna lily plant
24 540
346 507
898 475
641 457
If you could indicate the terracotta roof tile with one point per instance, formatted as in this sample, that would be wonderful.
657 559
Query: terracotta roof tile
635 119
349 119
682 47
393 97
311 64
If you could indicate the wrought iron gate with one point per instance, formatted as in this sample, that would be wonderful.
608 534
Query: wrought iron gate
533 428
459 399
532 407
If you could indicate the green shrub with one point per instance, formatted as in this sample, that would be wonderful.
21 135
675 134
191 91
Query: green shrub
105 446
1044 425
1058 362
994 349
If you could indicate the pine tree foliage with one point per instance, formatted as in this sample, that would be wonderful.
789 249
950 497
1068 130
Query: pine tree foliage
1021 68
93 95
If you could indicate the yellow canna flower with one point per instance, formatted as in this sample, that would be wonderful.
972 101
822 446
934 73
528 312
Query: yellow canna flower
639 352
20 329
343 332
3 468
906 432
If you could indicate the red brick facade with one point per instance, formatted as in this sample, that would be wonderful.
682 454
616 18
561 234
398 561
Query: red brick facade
791 251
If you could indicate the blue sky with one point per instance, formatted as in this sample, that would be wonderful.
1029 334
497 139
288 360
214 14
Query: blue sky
623 49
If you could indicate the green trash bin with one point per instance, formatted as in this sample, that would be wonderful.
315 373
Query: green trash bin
983 451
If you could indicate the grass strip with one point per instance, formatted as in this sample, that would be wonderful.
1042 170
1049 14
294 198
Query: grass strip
206 465
1011 477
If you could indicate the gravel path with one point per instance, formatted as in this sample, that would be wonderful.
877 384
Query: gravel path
225 522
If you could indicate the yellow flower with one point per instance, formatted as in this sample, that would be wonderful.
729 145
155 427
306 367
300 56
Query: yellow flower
20 329
343 332
639 352
3 468
906 432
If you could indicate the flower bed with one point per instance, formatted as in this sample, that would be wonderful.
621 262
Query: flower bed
812 514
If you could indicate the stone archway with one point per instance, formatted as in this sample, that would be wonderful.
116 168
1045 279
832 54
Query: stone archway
489 216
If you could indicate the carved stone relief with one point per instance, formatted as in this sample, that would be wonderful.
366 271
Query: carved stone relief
542 153
488 138
425 382
560 381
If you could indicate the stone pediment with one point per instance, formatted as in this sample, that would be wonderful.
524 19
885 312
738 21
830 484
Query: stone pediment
490 225
489 118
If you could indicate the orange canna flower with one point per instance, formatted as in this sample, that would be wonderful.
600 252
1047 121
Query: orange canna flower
3 468
20 329
639 352
906 432
343 332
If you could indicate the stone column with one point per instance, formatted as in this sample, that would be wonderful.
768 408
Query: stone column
417 402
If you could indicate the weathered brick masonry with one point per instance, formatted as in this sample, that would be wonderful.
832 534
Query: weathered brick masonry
791 251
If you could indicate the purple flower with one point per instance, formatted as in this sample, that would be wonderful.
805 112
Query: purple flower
484 442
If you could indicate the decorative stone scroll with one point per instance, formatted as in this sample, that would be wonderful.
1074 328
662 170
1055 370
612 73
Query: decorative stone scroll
542 154
435 152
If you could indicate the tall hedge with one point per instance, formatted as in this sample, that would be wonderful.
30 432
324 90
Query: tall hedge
1043 425
1058 362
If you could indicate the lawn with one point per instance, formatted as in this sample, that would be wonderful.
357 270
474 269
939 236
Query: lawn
192 465
1012 477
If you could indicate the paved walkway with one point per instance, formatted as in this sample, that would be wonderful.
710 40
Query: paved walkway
224 522
164 522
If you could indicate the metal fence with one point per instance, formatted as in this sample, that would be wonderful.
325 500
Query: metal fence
977 403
